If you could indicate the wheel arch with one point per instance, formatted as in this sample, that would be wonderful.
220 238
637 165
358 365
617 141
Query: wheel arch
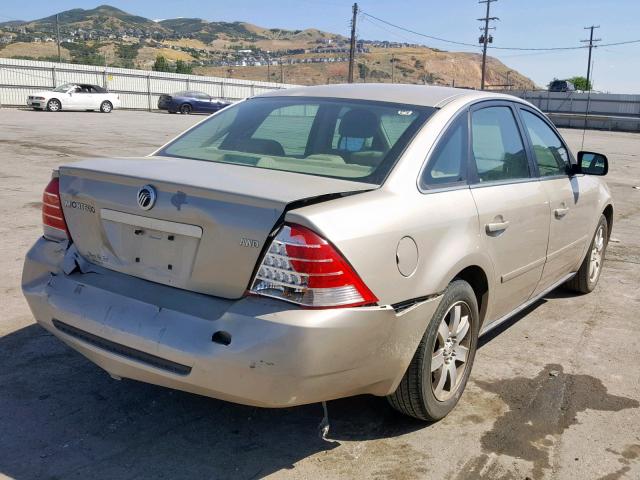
608 214
56 99
475 276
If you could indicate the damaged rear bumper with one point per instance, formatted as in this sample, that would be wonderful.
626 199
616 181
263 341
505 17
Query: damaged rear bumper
278 354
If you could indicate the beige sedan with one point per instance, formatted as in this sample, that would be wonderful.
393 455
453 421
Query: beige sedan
316 243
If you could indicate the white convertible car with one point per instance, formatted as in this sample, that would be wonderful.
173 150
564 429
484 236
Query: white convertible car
74 96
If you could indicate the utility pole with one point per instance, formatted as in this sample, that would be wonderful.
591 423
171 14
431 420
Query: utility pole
352 48
486 39
58 36
590 40
268 68
281 72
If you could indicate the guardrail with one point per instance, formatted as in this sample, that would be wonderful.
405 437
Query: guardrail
138 89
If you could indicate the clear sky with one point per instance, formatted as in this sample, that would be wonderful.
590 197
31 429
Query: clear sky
531 23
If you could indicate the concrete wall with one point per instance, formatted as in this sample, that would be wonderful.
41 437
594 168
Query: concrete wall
607 111
138 89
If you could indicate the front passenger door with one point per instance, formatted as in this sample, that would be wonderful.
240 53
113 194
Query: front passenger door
512 205
569 199
74 99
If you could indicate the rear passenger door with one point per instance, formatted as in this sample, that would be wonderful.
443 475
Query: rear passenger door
570 209
512 204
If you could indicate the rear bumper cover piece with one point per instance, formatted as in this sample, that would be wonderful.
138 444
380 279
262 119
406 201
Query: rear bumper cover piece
279 355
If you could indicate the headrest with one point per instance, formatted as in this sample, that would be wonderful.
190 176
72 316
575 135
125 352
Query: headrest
359 123
260 146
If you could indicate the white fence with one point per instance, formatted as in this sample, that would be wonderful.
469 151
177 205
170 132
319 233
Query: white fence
608 111
138 89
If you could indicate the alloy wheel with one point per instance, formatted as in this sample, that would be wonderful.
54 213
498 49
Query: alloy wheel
595 263
450 351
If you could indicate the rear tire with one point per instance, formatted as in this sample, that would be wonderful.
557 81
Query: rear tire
185 109
54 105
589 273
106 107
440 368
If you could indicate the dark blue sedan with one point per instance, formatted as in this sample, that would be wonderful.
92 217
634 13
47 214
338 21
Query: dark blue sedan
190 101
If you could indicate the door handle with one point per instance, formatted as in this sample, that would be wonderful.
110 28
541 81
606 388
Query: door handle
561 212
497 226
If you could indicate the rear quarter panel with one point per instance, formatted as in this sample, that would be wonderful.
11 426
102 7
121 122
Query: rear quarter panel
368 227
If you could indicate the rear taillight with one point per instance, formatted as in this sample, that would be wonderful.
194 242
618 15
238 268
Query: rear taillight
303 268
53 223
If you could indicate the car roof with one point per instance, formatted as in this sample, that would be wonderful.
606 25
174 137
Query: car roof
187 93
424 95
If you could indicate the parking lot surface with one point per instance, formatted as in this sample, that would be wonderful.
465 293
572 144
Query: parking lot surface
554 393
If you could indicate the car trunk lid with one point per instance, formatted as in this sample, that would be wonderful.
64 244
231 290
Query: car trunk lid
207 227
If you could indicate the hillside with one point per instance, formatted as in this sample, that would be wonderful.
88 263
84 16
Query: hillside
103 17
108 35
412 65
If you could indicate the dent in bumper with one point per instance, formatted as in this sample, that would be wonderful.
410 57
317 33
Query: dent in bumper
279 355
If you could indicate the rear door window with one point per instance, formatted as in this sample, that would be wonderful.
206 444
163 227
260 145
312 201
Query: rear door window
497 147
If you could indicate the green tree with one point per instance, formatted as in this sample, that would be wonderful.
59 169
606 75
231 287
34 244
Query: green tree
161 65
580 83
363 71
183 67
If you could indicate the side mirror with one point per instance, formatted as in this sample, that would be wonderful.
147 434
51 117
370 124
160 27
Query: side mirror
591 163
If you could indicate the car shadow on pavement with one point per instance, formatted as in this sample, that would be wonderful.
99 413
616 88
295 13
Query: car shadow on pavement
558 293
63 417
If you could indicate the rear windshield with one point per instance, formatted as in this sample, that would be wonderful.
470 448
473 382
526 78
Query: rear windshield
349 139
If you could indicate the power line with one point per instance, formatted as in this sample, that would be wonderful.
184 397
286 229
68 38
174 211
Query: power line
455 42
418 33
616 43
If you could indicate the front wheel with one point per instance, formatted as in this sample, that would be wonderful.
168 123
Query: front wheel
440 368
106 107
185 109
54 105
589 273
